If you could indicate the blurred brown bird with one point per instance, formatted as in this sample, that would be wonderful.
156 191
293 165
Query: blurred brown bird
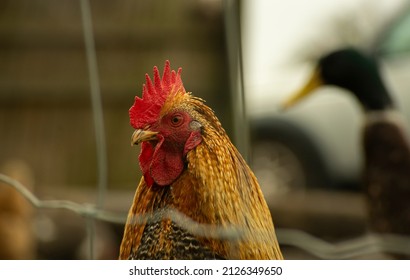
17 239
190 165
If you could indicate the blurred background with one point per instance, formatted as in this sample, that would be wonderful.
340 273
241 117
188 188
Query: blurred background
307 160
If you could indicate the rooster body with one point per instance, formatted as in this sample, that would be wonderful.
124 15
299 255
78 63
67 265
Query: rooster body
190 167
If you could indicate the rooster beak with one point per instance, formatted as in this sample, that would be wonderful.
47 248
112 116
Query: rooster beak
141 135
313 83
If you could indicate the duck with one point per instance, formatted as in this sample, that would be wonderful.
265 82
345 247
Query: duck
385 144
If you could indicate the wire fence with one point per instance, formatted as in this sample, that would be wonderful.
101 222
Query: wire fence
350 249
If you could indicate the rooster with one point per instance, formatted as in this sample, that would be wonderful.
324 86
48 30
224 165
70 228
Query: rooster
191 168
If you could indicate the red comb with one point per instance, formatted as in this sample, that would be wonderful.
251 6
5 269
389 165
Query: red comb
146 110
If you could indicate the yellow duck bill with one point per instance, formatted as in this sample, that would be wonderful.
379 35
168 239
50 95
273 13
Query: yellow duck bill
313 83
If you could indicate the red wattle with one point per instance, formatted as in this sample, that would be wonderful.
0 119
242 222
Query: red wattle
161 164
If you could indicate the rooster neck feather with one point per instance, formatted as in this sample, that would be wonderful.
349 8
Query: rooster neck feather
230 196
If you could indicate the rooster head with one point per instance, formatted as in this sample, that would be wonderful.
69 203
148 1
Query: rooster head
165 127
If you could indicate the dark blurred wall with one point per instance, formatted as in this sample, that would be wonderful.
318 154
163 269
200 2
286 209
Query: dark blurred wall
45 107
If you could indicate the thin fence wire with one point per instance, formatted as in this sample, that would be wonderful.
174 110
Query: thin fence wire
97 108
235 63
98 116
368 244
353 248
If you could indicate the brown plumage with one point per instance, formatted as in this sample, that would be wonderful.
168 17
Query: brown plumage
387 176
192 167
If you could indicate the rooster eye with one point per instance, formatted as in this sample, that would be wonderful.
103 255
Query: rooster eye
176 120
